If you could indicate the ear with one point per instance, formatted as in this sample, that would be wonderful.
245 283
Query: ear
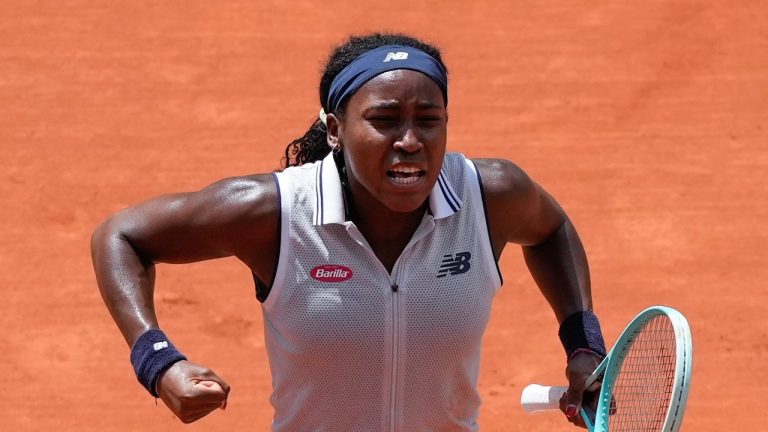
332 124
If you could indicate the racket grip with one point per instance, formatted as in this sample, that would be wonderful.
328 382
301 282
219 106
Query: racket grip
538 398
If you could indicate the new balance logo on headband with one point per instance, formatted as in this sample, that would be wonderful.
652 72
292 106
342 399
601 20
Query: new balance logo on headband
396 56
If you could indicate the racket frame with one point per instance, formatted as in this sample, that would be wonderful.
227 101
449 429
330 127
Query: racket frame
610 368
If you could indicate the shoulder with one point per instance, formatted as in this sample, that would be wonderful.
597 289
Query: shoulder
244 213
234 216
504 180
224 200
253 194
519 210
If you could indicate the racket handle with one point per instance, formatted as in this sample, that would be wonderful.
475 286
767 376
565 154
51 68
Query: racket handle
538 398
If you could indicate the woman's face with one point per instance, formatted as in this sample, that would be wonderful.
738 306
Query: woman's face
393 135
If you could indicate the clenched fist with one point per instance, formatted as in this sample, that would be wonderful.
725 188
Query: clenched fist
192 391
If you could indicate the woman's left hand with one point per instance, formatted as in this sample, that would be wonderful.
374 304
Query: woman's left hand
579 368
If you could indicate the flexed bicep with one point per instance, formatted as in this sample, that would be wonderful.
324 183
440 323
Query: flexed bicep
231 217
238 216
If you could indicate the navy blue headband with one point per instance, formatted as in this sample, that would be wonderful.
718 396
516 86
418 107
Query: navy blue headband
378 61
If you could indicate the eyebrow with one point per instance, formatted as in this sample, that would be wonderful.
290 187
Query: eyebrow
395 105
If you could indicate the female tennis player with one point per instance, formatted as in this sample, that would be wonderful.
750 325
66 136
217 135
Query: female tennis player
374 254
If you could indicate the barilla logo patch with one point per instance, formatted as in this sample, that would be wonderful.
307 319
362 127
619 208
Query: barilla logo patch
396 56
331 273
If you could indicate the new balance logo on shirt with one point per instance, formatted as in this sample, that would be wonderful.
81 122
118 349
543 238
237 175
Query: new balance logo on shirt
454 265
396 56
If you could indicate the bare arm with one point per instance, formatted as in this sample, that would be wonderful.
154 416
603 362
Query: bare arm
521 212
234 217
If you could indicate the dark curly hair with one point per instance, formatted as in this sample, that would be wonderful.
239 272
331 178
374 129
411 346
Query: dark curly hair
313 145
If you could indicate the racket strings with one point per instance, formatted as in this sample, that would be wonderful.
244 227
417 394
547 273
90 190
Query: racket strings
643 387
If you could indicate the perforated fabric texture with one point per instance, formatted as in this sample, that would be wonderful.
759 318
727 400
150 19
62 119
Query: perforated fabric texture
350 353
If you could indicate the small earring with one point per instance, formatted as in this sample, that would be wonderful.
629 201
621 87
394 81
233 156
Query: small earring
336 149
323 116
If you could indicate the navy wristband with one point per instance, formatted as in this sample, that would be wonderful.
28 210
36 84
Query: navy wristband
151 355
580 331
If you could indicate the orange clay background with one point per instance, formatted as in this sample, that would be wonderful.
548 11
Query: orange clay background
646 119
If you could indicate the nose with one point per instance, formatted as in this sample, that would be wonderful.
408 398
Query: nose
409 142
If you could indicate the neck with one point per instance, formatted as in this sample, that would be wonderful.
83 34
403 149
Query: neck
372 216
387 232
377 221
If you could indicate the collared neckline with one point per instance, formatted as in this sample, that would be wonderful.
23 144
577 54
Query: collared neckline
330 206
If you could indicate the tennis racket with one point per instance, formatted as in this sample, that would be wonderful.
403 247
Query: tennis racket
645 378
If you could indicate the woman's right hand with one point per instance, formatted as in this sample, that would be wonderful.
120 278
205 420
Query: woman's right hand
192 391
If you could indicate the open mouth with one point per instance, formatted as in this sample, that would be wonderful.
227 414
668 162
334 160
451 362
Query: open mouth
405 175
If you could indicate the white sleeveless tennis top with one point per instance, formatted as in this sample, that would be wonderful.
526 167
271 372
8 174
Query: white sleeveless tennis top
354 348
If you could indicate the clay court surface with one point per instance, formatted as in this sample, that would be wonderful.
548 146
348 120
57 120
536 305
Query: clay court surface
647 120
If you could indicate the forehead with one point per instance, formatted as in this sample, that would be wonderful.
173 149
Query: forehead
400 85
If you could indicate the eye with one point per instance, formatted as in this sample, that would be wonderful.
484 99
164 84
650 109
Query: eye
384 122
383 118
429 120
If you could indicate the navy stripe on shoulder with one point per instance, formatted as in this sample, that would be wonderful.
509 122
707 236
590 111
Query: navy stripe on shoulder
445 193
320 171
487 221
452 194
262 289
318 197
